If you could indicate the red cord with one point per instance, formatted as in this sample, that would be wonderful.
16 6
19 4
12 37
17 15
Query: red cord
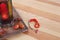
37 25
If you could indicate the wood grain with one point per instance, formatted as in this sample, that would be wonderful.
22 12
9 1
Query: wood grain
47 26
49 2
38 12
41 35
52 13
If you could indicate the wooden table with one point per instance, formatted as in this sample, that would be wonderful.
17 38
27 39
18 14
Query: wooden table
48 15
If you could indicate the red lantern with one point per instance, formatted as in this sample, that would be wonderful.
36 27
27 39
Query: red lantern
4 11
4 8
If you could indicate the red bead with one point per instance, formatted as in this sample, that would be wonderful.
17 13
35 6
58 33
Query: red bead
2 31
16 27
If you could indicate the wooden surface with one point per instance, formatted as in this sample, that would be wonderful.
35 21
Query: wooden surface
31 35
52 2
47 13
42 35
39 8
